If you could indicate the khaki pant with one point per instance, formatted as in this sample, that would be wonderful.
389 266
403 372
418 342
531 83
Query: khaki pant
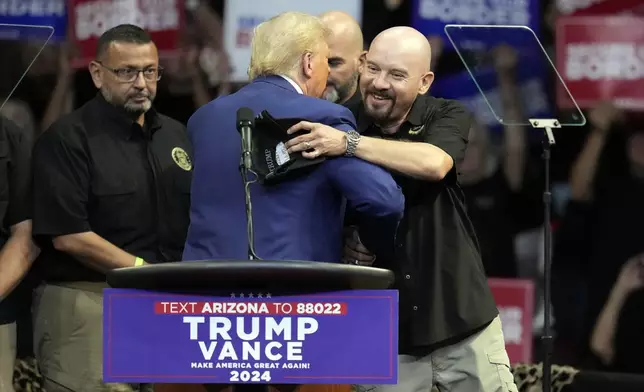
476 364
68 338
7 356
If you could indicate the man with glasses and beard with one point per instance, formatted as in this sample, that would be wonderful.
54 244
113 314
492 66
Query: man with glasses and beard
345 48
111 190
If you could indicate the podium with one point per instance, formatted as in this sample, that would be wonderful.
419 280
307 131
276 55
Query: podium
238 276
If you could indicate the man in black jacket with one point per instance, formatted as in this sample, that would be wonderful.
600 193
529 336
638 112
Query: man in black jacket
18 250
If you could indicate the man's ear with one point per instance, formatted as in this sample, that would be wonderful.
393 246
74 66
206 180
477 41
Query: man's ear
97 74
307 64
362 60
426 82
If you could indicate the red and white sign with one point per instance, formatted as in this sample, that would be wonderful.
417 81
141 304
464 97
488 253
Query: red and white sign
252 307
600 7
601 58
162 19
515 301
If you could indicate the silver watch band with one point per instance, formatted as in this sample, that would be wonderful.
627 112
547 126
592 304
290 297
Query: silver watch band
353 138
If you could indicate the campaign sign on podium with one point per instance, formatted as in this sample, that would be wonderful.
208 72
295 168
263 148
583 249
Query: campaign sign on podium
327 338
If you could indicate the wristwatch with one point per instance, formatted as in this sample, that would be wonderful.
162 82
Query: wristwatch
353 138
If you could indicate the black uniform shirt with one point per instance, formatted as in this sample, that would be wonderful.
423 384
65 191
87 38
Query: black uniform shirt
444 294
15 196
97 170
355 100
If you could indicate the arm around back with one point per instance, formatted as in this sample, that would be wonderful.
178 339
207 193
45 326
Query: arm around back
374 200
369 189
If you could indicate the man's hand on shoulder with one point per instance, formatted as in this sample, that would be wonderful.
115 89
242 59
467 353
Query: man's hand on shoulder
321 140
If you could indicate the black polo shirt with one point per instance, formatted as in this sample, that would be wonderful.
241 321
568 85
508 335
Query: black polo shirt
355 100
97 170
15 195
444 294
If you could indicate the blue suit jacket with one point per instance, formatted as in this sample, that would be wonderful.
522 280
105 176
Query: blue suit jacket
296 220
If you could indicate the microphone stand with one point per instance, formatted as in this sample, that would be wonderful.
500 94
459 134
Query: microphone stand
249 206
245 165
547 125
251 254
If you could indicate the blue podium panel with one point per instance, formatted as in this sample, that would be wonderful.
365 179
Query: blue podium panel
341 337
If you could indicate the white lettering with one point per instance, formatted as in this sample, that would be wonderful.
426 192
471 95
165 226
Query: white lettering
511 319
234 308
201 365
220 326
605 61
294 352
569 6
273 327
95 17
35 8
269 351
228 352
273 351
207 352
254 330
194 322
496 12
251 350
306 326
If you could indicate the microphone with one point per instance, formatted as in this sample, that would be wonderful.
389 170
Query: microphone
245 125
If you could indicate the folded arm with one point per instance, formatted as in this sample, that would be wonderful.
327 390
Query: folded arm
94 251
19 252
16 257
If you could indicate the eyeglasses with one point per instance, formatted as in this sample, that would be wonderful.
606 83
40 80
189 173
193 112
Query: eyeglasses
129 75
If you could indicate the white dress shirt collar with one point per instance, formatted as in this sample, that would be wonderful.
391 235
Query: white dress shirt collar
295 85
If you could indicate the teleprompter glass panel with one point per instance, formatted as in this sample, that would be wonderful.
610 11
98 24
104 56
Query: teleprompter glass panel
478 47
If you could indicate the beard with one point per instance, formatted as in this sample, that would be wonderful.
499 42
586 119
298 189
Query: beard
128 104
340 93
379 110
332 96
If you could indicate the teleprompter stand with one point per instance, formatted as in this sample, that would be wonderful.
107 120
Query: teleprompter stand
482 49
547 125
239 276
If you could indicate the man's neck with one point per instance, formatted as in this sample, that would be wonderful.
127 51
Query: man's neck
141 119
350 93
138 118
392 127
297 82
